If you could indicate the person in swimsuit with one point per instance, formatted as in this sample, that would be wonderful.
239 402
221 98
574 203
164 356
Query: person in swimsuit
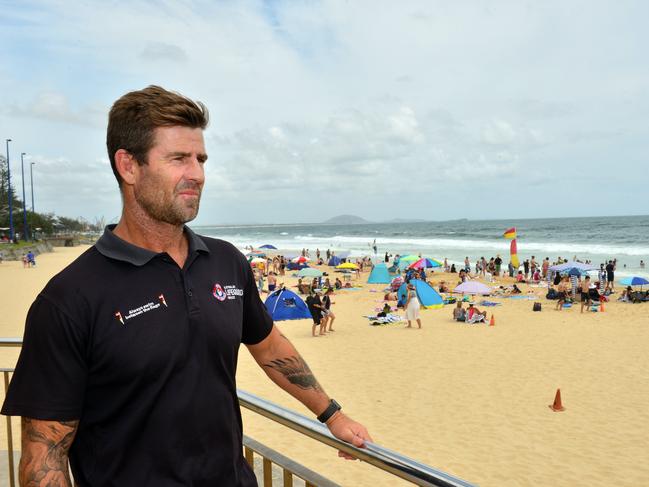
562 293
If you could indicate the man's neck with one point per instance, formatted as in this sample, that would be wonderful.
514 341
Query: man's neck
142 231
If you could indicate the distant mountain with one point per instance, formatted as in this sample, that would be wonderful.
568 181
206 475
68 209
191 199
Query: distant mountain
346 220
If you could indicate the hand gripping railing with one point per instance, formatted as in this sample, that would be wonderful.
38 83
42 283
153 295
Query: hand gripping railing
375 455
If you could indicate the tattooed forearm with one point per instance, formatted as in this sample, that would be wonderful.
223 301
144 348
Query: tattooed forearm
45 446
296 371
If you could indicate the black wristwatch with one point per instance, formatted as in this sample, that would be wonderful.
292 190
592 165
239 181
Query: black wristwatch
330 411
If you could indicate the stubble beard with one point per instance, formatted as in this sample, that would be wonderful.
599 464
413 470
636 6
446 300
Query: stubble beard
168 208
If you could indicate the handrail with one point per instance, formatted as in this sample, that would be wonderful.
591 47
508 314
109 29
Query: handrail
376 455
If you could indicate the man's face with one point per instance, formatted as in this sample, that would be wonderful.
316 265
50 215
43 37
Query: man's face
169 187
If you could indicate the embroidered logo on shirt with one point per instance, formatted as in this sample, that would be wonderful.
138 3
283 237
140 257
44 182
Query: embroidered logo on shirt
218 292
226 292
140 310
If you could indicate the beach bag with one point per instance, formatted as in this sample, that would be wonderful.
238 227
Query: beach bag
536 307
552 294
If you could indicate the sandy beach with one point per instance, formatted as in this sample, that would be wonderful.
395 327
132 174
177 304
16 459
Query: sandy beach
469 400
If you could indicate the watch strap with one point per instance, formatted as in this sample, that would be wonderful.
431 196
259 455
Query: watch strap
330 411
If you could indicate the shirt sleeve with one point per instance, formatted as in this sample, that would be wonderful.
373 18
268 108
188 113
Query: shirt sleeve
257 322
50 376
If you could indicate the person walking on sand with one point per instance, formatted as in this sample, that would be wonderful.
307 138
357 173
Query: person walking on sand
412 307
329 315
585 294
127 373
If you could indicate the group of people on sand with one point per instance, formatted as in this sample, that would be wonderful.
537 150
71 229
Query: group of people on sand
321 312
470 315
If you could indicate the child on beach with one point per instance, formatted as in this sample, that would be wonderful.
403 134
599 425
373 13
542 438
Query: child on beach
562 293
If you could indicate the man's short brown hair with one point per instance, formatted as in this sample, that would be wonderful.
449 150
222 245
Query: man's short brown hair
134 117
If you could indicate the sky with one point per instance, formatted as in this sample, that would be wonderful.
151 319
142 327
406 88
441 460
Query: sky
413 109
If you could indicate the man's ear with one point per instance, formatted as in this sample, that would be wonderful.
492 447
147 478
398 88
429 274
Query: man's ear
126 164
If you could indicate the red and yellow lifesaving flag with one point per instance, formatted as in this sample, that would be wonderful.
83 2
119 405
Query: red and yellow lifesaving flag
510 234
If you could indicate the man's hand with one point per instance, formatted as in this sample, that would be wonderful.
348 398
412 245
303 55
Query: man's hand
346 429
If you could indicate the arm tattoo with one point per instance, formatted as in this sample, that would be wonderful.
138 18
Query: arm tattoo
45 445
296 371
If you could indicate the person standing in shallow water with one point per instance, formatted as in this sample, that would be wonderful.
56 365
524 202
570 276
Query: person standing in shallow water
129 355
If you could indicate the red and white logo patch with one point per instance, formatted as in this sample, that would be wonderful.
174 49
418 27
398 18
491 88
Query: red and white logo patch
218 292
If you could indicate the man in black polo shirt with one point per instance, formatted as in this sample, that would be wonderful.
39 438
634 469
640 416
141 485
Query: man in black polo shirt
129 356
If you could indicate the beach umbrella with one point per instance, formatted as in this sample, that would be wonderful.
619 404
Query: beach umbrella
409 258
268 246
256 253
568 266
257 260
425 263
347 265
634 281
309 272
396 282
473 287
300 259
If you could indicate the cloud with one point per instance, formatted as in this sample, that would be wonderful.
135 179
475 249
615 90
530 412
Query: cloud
337 102
159 51
54 107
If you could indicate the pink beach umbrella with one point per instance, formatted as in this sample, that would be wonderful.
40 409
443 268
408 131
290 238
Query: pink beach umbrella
473 287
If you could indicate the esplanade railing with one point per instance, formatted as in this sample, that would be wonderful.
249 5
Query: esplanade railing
275 467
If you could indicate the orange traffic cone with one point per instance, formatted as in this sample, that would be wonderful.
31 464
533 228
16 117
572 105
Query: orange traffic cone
557 406
492 322
601 306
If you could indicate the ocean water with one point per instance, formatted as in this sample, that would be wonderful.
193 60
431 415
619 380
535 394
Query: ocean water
595 238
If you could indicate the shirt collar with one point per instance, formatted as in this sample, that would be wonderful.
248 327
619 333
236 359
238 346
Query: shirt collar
113 247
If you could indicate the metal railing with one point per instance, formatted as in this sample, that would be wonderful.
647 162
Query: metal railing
383 458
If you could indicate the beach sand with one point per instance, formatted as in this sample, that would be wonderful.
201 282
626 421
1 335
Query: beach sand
469 400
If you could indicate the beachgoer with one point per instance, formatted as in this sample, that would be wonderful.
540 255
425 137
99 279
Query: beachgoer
562 293
446 267
467 264
585 294
498 261
610 275
31 259
642 264
533 265
338 284
453 270
526 267
545 266
272 282
458 312
133 404
328 313
520 277
443 288
474 315
314 303
511 269
412 306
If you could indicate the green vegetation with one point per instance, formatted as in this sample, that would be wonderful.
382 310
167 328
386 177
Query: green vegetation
38 223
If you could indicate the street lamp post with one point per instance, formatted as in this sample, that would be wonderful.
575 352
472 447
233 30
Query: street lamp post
11 212
31 179
22 170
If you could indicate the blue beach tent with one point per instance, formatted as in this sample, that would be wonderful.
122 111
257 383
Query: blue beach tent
428 297
286 305
334 261
379 275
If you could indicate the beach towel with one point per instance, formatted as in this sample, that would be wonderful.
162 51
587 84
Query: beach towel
489 303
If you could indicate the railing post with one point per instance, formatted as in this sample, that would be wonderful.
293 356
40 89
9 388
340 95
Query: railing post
268 473
288 478
10 438
250 457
